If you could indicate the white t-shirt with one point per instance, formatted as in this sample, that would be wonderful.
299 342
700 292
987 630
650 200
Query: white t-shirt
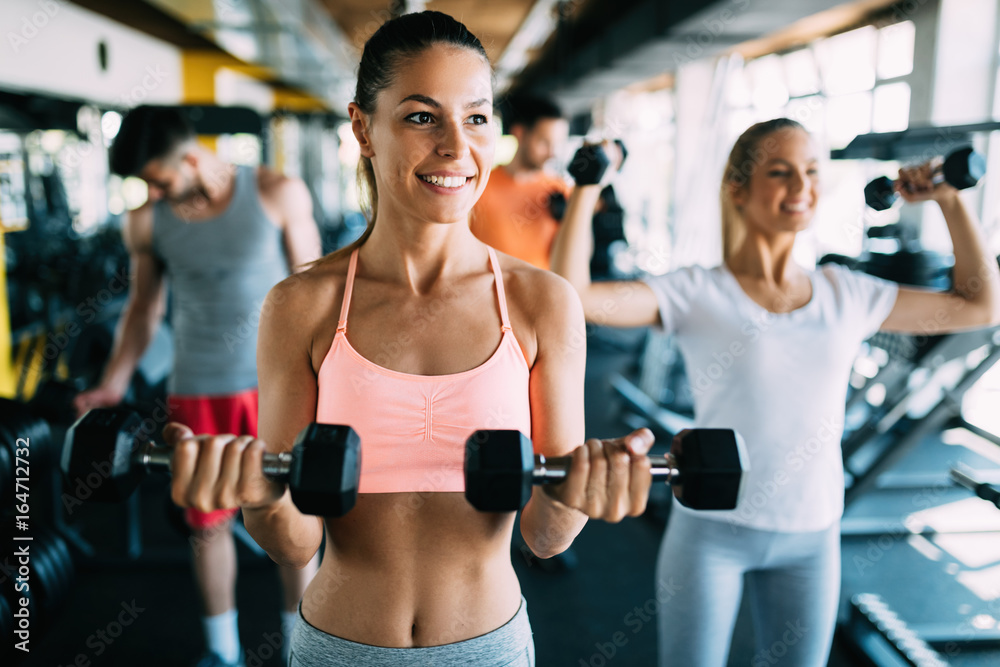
779 379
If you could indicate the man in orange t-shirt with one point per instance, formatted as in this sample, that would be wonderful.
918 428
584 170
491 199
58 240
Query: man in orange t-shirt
514 213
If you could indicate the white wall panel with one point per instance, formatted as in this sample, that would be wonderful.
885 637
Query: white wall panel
50 46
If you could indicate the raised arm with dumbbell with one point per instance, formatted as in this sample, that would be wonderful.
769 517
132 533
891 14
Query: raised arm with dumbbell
593 167
975 297
962 169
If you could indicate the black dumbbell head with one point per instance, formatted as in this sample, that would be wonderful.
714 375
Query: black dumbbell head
499 465
61 554
19 427
47 580
963 168
879 194
7 624
326 470
97 455
711 462
589 164
6 475
557 205
53 401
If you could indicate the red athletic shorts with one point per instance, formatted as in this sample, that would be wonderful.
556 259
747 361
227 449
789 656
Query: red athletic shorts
217 415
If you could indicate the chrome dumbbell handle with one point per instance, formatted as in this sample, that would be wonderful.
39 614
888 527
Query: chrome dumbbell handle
153 457
554 469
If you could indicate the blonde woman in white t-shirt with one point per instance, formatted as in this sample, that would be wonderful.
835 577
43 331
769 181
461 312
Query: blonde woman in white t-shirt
768 346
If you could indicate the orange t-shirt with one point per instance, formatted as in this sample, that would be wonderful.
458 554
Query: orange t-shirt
513 215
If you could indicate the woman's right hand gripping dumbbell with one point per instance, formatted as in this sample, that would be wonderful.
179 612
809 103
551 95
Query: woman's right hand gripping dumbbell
608 479
214 472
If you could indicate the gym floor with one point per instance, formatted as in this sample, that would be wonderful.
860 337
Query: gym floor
575 614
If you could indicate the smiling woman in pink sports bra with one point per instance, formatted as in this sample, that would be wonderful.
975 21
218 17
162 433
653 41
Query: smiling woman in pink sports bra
417 335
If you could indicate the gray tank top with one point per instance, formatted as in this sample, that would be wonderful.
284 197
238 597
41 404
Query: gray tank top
219 270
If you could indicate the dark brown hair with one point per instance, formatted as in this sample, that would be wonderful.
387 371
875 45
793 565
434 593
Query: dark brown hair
148 133
397 39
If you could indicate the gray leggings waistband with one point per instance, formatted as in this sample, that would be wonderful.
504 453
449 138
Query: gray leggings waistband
510 645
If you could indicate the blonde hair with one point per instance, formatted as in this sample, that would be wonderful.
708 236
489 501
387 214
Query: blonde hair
744 159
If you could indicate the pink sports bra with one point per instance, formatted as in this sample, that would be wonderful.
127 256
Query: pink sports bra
413 428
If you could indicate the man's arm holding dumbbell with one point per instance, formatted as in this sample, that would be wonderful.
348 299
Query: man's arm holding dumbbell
620 304
974 300
212 472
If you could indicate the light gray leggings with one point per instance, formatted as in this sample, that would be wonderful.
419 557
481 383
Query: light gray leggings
510 645
793 580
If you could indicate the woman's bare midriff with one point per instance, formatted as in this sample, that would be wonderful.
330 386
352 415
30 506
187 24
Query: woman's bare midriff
407 570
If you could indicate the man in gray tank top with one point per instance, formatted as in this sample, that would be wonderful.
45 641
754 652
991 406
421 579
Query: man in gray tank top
223 236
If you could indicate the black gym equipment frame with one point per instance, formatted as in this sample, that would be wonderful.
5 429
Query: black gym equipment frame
912 142
882 435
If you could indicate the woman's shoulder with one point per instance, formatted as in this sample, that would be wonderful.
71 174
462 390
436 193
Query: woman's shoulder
297 295
543 306
545 310
533 288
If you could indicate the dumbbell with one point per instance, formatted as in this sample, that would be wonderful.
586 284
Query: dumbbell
20 429
557 205
705 469
53 401
591 161
985 491
105 451
962 169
